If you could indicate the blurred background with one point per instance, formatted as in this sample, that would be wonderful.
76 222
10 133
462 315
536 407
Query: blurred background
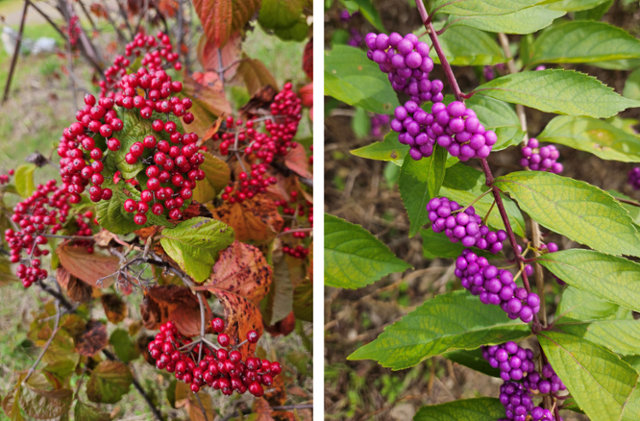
365 192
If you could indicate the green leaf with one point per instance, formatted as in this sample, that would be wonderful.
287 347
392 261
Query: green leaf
297 32
634 211
499 117
478 409
610 278
194 244
484 7
448 322
135 129
109 382
419 182
632 86
438 245
6 274
583 42
596 13
24 180
598 380
464 184
85 412
123 344
575 209
279 300
525 21
580 305
619 336
370 13
627 64
474 360
354 257
280 14
303 301
361 124
575 5
558 91
388 150
466 46
217 175
633 361
354 79
44 404
594 136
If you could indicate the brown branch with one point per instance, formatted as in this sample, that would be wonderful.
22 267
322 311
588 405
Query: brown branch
16 52
46 346
48 19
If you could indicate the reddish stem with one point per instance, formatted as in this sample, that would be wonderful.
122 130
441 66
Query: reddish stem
536 327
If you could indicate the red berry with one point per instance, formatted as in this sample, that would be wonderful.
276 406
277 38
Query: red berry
223 339
217 325
129 205
113 144
252 336
140 219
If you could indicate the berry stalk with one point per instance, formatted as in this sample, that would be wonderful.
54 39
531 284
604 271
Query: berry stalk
536 327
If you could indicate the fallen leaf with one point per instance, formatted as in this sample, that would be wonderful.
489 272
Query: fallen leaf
115 309
241 316
93 340
256 220
88 267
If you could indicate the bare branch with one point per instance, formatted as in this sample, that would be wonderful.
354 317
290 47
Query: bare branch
46 346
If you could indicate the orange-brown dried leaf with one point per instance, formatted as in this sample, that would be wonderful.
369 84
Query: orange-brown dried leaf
213 129
115 309
62 276
208 104
216 18
195 209
98 10
298 162
255 75
277 395
259 102
168 8
241 316
256 220
187 399
93 340
230 54
143 346
103 238
241 269
172 302
262 410
283 327
243 11
79 291
88 267
144 233
283 416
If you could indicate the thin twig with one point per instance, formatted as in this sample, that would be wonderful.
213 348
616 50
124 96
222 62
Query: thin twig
220 67
16 53
204 413
46 346
295 230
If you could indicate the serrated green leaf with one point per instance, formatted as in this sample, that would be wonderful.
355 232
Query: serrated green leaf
123 344
474 360
354 79
583 42
558 91
634 211
619 336
280 14
466 46
370 13
596 13
478 409
633 361
360 123
44 404
575 209
194 244
135 129
594 136
354 257
23 180
485 7
610 278
390 149
525 21
419 182
217 175
598 380
626 64
575 5
109 382
448 322
438 245
464 184
580 305
499 117
632 86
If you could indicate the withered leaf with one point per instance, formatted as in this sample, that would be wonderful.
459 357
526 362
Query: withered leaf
241 316
79 291
62 276
115 309
255 220
93 340
283 327
298 162
262 410
259 103
277 395
88 267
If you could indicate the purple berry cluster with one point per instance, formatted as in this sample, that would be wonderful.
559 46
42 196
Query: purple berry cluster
454 127
516 400
406 60
514 361
544 383
540 158
634 178
495 286
540 414
378 121
466 226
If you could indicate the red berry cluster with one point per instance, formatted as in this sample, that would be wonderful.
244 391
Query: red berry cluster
4 178
220 368
259 147
74 30
298 210
158 54
44 212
